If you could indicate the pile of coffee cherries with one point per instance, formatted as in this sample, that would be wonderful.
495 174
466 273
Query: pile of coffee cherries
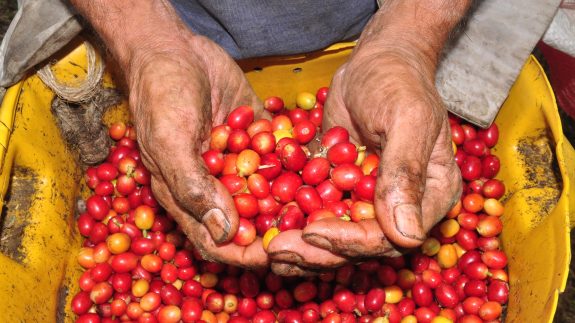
277 183
139 267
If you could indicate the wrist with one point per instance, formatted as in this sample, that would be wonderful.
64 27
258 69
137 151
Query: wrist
135 32
418 29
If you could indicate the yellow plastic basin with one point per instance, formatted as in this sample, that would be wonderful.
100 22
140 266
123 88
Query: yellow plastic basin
40 182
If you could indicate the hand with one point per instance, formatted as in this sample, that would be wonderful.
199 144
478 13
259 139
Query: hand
389 104
179 85
175 98
385 96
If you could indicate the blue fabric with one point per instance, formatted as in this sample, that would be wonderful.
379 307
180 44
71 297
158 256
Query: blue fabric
254 28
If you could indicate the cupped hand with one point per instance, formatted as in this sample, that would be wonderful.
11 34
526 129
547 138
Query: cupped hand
176 96
386 97
389 102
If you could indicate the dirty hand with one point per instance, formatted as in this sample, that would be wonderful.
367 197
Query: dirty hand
389 104
175 99
179 85
385 96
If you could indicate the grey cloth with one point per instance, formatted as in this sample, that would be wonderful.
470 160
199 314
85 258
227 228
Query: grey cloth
253 28
561 31
39 29
476 74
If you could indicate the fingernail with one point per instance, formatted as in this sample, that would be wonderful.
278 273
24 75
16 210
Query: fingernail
408 221
217 224
287 256
318 241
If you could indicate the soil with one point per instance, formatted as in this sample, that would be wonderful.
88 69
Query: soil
14 216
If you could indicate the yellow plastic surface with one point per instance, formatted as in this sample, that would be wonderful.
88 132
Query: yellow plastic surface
537 168
39 185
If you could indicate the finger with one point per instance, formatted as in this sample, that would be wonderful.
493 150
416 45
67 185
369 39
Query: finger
287 269
203 197
443 184
229 86
335 112
350 239
252 256
289 247
402 174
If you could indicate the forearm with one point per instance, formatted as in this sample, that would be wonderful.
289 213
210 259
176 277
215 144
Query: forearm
132 28
420 26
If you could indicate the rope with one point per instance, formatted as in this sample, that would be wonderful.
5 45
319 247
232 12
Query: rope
80 91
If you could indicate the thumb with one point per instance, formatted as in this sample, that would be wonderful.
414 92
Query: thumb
206 199
252 256
402 179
